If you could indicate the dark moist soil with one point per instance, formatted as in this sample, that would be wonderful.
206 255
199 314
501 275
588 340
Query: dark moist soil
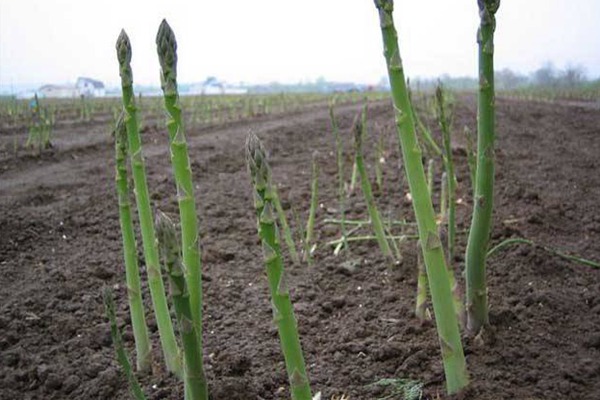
60 244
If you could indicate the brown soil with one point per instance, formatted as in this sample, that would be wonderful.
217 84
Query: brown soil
60 244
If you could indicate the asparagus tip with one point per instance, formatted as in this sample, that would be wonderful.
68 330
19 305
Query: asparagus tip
165 230
166 46
123 48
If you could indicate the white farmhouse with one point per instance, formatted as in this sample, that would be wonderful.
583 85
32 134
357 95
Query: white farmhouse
90 87
59 91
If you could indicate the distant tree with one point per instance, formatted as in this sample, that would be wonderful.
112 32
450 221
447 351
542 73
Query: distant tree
573 75
507 79
545 76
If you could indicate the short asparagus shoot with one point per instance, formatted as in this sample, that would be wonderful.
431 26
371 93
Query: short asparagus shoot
376 222
195 381
283 310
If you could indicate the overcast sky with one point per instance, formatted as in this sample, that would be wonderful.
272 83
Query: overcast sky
44 41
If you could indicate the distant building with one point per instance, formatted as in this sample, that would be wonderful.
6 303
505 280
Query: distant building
61 91
212 86
90 87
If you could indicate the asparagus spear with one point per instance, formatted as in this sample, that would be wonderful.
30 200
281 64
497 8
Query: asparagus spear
477 246
167 54
132 275
283 311
359 129
195 380
157 290
433 255
339 155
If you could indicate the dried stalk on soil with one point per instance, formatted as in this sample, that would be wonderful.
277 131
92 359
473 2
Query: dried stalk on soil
481 224
166 46
157 290
447 324
132 275
283 310
359 133
109 307
195 380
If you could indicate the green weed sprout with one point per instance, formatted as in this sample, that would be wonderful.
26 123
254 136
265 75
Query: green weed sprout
433 254
283 311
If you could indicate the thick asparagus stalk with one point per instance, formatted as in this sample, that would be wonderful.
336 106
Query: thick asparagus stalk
167 54
447 325
195 380
157 290
132 274
477 246
421 303
376 223
283 311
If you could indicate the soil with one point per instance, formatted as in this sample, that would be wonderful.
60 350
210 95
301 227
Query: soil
60 245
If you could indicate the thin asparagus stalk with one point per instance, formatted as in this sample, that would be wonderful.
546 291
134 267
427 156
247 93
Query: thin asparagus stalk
444 122
157 290
359 129
421 306
132 275
481 224
430 173
339 155
283 310
380 160
353 178
109 307
433 254
314 203
166 46
443 199
195 380
287 233
449 178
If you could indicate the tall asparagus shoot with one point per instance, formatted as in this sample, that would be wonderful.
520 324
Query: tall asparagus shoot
376 222
157 289
132 274
283 311
339 155
433 254
477 246
195 380
166 46
314 203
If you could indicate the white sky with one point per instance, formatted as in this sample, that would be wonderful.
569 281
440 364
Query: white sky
43 41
